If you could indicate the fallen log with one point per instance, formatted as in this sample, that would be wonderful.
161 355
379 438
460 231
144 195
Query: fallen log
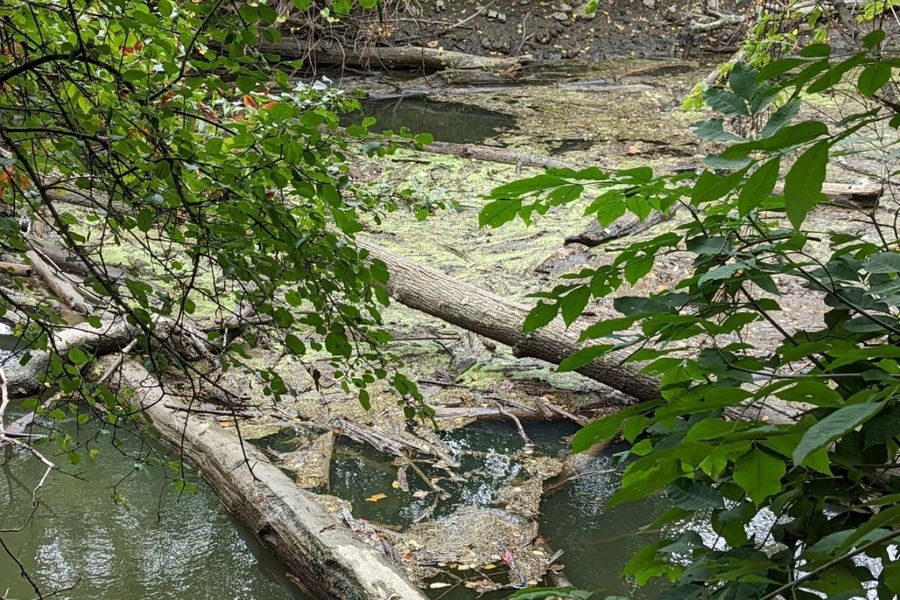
72 263
16 269
431 291
397 57
595 235
319 552
26 379
863 195
500 155
57 283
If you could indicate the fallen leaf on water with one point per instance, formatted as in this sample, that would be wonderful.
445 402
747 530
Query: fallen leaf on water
420 494
376 497
395 485
489 566
438 585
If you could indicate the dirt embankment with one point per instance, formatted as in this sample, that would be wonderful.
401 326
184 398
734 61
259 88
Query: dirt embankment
560 29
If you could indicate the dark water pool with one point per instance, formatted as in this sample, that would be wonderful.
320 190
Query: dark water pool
446 121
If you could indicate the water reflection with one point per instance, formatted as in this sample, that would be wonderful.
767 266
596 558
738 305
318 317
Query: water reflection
152 544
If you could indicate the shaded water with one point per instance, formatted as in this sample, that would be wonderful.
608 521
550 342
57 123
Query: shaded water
446 121
152 544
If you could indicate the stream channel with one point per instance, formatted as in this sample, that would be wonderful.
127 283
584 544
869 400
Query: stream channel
114 526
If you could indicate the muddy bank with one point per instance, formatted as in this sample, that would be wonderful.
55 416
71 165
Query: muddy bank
557 29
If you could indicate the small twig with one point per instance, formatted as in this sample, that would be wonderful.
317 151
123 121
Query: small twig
528 445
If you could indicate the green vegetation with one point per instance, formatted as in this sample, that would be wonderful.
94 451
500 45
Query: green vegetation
203 158
823 469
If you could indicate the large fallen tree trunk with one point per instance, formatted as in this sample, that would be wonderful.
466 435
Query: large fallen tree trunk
432 292
398 57
320 552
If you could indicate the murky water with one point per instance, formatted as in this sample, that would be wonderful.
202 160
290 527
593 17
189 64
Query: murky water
446 121
151 544
597 541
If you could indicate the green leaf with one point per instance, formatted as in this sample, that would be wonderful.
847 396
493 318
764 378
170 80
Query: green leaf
726 102
742 81
531 184
608 208
78 356
873 39
891 576
573 304
710 186
816 51
636 269
759 186
295 344
581 358
246 83
759 473
539 316
781 117
873 78
713 130
691 494
607 428
364 399
832 427
803 183
499 212
338 345
883 262
792 135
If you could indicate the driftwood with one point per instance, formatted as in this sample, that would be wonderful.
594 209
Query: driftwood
500 155
25 379
14 268
392 444
431 291
864 195
72 263
595 235
61 287
318 551
399 57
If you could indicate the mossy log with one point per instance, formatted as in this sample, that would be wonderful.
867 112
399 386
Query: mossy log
431 291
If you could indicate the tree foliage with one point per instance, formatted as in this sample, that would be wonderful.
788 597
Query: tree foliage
823 473
157 127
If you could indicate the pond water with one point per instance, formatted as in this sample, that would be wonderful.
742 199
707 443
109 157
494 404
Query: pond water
151 544
446 121
597 541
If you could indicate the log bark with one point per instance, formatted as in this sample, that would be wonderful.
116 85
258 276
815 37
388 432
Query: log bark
595 235
16 269
56 282
864 195
320 552
25 379
430 291
398 57
500 155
